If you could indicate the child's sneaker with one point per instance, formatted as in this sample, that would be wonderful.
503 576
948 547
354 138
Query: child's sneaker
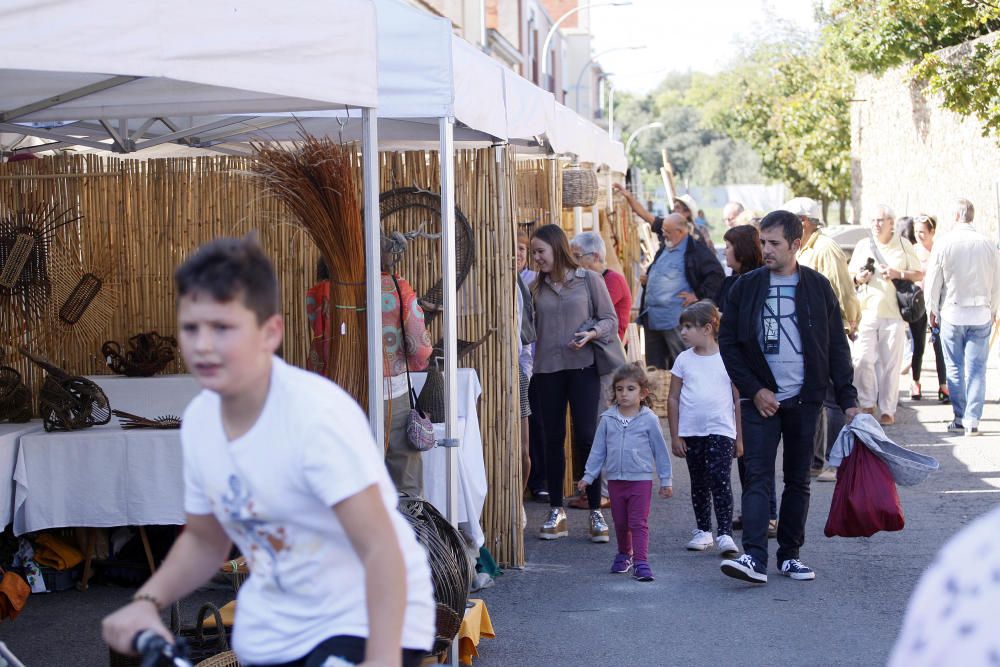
701 540
642 571
622 564
726 546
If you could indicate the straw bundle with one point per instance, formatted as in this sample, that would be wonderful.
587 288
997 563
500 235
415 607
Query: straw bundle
315 179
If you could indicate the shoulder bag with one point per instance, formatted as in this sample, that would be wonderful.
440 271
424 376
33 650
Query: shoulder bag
909 295
419 429
609 356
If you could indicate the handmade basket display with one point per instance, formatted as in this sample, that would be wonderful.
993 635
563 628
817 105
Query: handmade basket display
579 187
406 212
69 402
451 571
431 398
147 354
15 398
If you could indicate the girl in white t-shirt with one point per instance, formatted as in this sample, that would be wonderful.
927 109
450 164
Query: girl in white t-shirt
704 417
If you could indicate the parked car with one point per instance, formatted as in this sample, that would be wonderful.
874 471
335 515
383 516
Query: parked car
847 236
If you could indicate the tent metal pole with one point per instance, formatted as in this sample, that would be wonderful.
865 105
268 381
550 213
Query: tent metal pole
449 329
373 272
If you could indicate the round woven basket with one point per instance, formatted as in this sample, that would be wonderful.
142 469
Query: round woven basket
579 187
451 571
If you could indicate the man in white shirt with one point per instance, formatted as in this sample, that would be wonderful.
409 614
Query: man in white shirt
962 294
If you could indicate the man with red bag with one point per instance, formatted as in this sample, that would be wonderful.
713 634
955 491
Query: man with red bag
783 343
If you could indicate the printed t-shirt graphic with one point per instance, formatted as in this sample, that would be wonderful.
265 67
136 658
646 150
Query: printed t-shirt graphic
779 335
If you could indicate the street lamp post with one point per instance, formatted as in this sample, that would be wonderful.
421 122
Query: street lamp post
555 26
648 126
579 79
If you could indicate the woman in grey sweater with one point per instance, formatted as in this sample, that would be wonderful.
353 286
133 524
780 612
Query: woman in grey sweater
572 309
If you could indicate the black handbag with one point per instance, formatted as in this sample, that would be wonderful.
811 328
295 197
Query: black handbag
608 356
909 295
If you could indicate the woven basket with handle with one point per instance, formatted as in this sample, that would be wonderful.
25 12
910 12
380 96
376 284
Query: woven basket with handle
579 187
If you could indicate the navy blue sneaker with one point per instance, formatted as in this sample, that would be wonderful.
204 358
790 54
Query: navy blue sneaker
794 568
745 568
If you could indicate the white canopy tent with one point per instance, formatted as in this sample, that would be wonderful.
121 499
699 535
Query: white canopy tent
144 74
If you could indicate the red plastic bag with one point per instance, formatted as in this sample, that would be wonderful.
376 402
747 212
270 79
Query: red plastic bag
865 500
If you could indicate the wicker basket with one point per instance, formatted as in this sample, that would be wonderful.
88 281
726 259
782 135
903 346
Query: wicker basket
69 402
431 398
15 398
227 659
147 354
579 187
451 571
659 384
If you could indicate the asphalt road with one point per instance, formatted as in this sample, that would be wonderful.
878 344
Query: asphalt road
564 608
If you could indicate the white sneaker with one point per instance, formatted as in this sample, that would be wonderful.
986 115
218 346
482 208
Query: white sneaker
726 546
700 541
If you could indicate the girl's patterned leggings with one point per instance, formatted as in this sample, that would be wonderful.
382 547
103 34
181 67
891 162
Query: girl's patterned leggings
710 460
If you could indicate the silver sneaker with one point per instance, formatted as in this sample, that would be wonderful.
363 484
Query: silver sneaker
555 525
598 528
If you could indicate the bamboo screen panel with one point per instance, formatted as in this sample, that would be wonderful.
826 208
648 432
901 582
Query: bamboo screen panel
144 217
484 192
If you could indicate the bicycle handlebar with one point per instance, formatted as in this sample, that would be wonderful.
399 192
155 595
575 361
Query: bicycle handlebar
155 650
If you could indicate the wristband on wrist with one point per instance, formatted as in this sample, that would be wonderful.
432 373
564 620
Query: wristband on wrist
148 598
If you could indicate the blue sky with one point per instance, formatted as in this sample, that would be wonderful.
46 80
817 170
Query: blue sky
701 35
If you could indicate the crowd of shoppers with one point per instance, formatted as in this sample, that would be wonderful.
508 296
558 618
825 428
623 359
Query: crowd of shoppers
806 337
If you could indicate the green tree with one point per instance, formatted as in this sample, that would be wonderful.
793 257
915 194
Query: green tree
875 35
789 99
698 154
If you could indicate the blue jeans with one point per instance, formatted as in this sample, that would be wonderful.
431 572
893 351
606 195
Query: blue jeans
966 349
795 425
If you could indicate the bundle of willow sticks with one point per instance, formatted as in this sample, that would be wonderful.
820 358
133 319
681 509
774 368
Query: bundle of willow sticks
315 179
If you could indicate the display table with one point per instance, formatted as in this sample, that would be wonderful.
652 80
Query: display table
10 436
98 478
150 397
471 467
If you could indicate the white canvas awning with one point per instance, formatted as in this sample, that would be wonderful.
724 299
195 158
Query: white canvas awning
114 59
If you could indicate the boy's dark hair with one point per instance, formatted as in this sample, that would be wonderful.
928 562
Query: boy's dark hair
791 226
637 374
228 268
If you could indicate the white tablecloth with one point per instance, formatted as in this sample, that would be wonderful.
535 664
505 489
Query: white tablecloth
150 397
98 477
471 467
10 436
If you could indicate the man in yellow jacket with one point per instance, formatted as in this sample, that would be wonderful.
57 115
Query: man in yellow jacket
822 254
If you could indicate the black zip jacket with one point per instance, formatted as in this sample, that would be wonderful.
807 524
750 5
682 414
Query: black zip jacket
701 269
825 352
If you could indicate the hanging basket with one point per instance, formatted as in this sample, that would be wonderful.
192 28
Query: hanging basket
431 399
579 187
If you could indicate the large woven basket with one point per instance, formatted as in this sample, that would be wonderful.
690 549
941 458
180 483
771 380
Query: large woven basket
451 571
69 402
145 355
15 398
579 187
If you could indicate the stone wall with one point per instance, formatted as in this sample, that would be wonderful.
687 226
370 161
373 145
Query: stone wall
917 157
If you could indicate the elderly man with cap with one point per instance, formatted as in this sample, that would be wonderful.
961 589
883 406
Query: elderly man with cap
822 254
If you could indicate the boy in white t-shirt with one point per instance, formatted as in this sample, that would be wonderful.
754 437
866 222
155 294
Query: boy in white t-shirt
704 418
269 449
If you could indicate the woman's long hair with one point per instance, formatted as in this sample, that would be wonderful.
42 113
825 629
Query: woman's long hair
745 240
562 257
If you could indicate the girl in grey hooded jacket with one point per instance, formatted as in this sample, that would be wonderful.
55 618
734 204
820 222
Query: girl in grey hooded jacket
629 447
